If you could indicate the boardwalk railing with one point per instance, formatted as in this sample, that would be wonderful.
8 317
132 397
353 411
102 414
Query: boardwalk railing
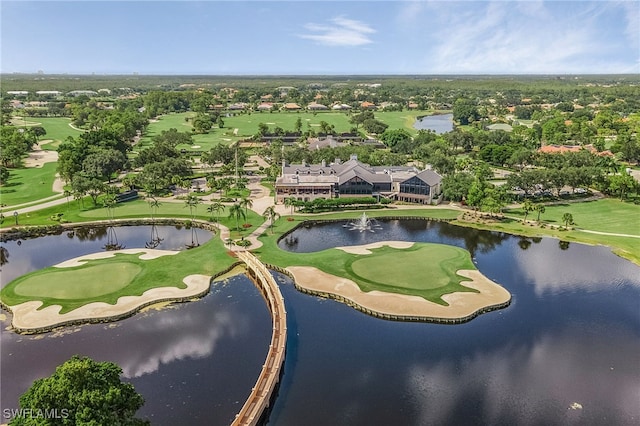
267 382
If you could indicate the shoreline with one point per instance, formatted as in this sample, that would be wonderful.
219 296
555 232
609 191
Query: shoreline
463 306
27 317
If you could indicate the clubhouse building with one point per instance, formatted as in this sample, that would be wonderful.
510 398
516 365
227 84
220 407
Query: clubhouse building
306 182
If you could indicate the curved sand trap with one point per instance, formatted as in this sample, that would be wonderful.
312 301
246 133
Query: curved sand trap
462 305
146 255
195 146
27 317
366 248
38 157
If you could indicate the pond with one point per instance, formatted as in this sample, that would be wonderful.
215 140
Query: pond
564 352
439 123
193 362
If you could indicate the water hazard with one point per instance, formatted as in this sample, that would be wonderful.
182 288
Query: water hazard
564 352
440 123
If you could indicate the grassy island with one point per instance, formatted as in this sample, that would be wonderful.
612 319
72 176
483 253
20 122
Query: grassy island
111 284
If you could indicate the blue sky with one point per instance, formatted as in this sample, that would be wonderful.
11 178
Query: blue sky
320 37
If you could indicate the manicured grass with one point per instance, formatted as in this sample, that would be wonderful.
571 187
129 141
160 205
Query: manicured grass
141 275
73 212
615 217
424 269
83 283
28 184
58 130
606 215
247 125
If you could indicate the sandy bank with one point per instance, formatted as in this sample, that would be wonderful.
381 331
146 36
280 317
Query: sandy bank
366 248
462 305
147 254
27 317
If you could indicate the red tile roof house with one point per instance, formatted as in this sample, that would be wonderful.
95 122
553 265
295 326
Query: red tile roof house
290 106
559 149
313 106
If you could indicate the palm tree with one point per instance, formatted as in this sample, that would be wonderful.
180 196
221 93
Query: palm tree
290 202
67 194
154 205
247 203
540 209
567 218
527 207
236 211
192 202
216 207
271 215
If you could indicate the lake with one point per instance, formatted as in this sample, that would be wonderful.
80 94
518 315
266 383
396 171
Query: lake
439 123
566 351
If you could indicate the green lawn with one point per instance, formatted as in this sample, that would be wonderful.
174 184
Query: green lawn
606 215
426 270
58 130
247 125
100 280
80 283
74 212
28 184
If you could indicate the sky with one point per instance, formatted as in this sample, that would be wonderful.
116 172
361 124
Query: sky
320 37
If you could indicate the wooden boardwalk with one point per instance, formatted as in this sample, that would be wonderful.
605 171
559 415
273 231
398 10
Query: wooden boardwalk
267 382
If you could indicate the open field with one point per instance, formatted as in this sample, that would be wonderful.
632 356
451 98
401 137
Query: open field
58 130
28 184
606 215
247 125
65 286
73 212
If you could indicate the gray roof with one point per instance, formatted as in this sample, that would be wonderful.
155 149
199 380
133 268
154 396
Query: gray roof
429 177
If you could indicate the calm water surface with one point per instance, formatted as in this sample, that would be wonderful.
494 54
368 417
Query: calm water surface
194 363
440 123
566 351
571 336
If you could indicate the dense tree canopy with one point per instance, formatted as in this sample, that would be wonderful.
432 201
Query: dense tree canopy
83 392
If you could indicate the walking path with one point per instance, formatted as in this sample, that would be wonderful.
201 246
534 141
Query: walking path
269 377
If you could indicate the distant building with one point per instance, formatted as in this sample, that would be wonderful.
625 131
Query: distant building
341 107
290 106
83 92
559 149
313 106
17 93
265 106
367 105
307 182
48 93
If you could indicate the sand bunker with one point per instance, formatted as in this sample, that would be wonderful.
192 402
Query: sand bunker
366 248
462 305
27 317
146 254
38 157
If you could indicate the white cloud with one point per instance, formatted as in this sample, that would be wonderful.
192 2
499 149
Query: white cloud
525 36
341 32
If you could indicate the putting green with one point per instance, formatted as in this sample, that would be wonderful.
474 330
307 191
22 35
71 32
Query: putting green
425 268
80 283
